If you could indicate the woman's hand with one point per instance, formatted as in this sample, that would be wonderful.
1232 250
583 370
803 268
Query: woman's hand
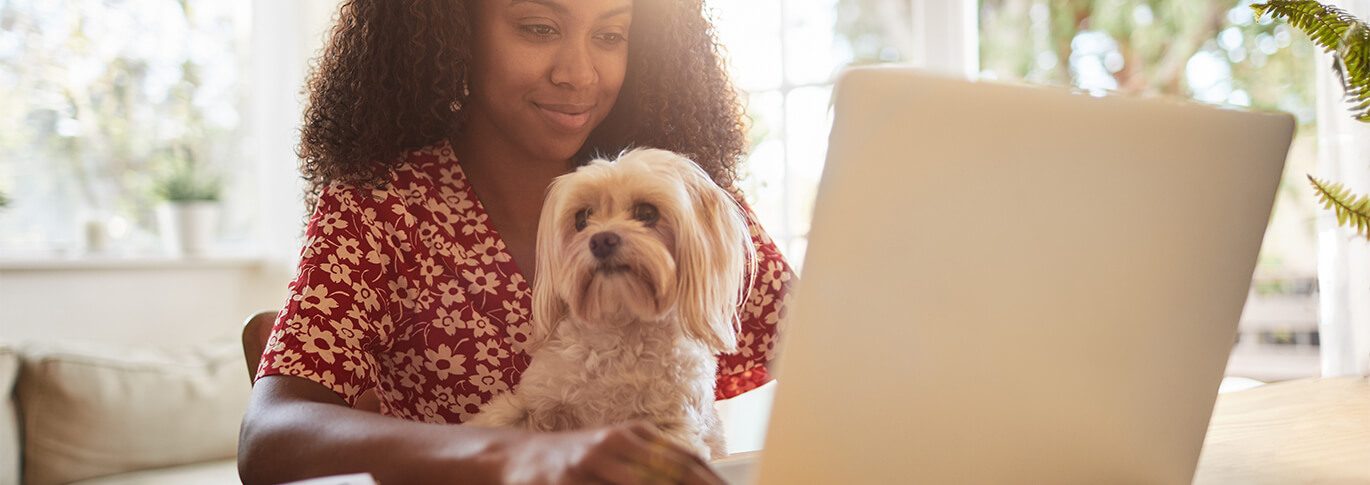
625 454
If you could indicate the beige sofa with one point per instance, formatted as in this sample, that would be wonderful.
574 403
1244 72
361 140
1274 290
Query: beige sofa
100 415
90 414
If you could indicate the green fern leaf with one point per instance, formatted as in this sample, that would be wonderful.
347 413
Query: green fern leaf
1352 210
1337 32
1348 40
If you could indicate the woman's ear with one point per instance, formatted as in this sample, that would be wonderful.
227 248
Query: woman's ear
714 250
549 308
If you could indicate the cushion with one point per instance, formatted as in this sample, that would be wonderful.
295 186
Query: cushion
9 417
224 472
92 411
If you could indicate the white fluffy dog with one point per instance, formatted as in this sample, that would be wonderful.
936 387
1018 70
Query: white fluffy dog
640 271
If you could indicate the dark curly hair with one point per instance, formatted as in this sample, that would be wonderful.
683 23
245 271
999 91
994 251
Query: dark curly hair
386 80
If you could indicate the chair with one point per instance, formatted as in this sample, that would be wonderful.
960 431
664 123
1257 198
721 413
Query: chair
256 332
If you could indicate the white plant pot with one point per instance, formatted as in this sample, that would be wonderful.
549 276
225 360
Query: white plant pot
188 228
95 233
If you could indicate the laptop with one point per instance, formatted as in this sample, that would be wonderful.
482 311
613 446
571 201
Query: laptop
1016 284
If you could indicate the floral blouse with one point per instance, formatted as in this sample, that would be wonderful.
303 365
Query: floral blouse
408 290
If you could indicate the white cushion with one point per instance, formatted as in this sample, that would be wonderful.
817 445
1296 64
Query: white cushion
9 417
223 472
92 411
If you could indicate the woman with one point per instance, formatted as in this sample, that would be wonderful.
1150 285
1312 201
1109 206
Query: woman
434 128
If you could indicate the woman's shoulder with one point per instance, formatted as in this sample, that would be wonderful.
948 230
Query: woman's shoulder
417 176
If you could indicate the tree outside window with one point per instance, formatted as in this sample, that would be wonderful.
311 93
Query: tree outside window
98 100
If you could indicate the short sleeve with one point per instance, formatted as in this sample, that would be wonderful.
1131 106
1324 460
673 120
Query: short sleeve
761 317
339 313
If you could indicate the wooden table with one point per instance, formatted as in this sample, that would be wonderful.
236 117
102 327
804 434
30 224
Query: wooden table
1305 431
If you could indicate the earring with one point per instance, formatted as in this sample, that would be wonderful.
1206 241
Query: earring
465 93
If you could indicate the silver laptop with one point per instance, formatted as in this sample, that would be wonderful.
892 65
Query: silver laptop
1011 284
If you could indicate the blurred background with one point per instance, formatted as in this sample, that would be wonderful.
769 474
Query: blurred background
785 54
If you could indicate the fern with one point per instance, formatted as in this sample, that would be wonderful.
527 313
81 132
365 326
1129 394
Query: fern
1338 33
1352 210
1348 40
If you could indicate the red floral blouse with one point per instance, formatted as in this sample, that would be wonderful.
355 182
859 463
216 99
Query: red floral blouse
407 289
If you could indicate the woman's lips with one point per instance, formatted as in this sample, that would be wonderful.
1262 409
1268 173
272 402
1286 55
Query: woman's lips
566 117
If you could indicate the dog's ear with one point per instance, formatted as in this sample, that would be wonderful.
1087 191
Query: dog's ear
714 251
549 309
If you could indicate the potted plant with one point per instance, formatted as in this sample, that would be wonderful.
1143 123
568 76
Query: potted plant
1348 40
188 217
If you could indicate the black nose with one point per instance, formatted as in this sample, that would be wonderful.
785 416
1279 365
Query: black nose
602 245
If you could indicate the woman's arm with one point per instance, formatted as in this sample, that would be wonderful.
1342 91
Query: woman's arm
297 429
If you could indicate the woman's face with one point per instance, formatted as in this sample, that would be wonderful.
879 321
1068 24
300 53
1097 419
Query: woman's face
545 73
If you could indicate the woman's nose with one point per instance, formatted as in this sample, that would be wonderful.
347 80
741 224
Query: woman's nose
574 68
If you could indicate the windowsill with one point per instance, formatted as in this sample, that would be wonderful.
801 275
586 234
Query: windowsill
115 262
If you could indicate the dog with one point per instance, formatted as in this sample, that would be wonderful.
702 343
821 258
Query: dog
642 263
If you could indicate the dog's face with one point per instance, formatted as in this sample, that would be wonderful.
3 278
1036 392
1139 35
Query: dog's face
647 238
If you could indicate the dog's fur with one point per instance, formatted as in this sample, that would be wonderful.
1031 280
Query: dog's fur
635 334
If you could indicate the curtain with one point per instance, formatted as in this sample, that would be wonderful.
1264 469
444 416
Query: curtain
1343 257
945 36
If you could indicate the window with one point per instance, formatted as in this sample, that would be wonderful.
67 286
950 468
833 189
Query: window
98 100
784 53
783 56
1212 51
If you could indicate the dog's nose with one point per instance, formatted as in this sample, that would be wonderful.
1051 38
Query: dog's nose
602 245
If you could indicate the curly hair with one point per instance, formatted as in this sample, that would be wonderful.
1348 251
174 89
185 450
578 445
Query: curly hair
385 82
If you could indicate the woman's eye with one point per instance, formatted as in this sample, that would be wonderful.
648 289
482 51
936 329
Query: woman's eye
540 30
646 213
582 219
613 38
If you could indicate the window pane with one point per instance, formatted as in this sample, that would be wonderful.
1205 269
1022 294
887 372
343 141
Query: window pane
790 113
809 123
751 32
811 56
1212 51
763 173
97 99
874 31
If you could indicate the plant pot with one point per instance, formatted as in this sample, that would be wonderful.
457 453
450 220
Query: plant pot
95 235
188 228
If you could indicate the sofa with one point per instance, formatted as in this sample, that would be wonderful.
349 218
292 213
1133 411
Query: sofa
96 414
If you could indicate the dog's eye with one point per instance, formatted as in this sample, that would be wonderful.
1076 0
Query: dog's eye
582 219
646 213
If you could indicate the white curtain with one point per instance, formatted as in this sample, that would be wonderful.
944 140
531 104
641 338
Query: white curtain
1343 257
945 36
287 34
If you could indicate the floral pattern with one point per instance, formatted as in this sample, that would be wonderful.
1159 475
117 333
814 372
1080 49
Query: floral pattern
406 289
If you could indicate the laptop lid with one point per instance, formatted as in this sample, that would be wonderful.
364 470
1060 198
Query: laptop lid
1014 284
